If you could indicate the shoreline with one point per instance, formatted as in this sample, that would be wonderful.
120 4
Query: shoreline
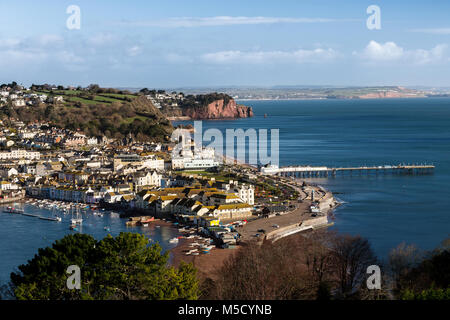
207 265
183 118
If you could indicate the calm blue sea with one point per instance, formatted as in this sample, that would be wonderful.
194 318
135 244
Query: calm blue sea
386 209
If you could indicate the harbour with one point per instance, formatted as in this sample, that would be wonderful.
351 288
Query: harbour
22 235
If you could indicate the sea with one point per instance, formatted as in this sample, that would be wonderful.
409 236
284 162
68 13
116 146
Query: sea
385 209
21 236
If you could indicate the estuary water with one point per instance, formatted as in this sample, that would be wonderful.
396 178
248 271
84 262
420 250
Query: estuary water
21 236
386 209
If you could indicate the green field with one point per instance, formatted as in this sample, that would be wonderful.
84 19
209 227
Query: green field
73 96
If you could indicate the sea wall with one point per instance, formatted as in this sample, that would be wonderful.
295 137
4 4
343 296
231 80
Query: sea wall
297 227
327 203
315 222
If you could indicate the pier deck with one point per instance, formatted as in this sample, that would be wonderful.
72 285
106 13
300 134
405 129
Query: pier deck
308 171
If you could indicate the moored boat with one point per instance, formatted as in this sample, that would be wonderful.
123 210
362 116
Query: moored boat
13 210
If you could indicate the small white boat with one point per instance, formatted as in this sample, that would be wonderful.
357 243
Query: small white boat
76 221
173 240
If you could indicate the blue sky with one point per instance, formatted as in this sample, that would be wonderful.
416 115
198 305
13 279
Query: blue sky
166 44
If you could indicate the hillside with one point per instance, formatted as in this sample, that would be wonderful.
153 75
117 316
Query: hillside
97 113
115 113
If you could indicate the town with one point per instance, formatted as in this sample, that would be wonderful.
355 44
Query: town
174 180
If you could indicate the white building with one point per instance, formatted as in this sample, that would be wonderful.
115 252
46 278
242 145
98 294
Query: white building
200 163
19 103
178 163
141 179
5 185
270 169
23 134
92 141
6 172
246 193
20 154
153 163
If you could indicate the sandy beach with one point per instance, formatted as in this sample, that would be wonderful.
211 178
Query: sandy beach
206 264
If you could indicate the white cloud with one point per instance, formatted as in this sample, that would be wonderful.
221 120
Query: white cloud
433 30
134 51
55 50
390 51
382 52
9 43
222 21
437 53
31 51
101 39
177 58
69 57
257 57
49 40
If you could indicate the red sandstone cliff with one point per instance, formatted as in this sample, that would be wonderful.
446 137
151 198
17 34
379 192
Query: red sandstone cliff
218 110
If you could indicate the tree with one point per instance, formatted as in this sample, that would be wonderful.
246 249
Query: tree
94 88
323 292
429 294
144 91
352 256
319 258
122 267
48 111
129 269
272 271
401 260
44 277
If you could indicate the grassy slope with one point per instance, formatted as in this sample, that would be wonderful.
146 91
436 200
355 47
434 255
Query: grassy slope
143 110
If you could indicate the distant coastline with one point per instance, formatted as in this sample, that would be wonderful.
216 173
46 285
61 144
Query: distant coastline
309 99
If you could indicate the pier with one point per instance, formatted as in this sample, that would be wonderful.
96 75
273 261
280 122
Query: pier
311 172
15 211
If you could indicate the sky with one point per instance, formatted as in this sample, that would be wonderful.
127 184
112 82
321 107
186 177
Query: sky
196 43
